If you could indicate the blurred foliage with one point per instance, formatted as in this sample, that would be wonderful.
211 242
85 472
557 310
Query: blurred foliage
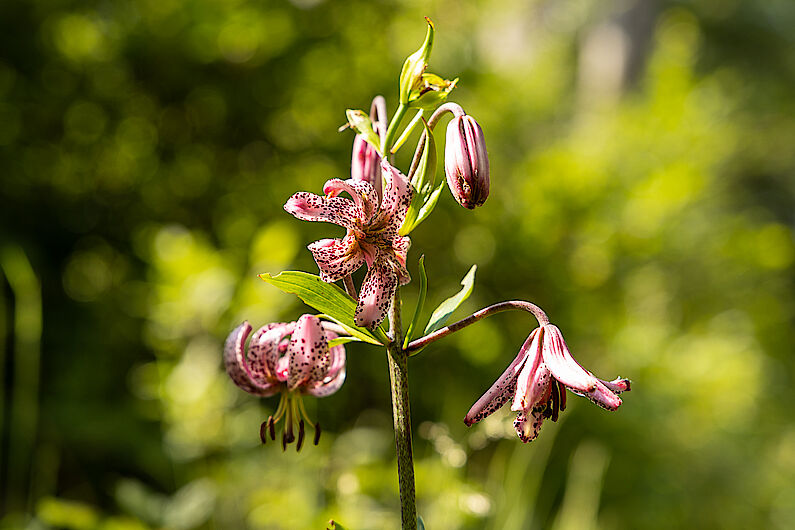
642 193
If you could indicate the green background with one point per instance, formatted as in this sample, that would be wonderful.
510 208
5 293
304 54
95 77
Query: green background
642 192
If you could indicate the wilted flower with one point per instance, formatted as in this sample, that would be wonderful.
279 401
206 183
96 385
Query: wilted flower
537 381
372 237
365 163
466 162
292 358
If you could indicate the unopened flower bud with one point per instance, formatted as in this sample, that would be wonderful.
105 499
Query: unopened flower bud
366 163
466 162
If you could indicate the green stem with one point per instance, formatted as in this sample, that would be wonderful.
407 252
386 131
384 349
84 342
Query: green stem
399 380
386 141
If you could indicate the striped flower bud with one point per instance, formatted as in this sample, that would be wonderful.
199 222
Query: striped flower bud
466 162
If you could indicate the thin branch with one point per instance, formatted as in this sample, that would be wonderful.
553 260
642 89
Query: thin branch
518 305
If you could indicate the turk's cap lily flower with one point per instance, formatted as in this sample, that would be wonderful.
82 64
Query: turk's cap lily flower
289 358
536 382
366 163
372 225
466 163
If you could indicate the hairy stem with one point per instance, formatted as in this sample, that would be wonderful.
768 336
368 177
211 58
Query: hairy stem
398 377
518 305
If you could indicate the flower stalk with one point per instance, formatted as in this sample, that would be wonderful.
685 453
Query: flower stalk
397 358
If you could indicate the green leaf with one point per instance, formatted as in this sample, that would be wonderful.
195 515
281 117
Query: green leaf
411 73
326 298
446 308
333 525
420 303
361 123
342 340
429 205
422 181
407 131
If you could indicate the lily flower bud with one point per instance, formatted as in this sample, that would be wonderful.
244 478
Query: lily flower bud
366 163
466 162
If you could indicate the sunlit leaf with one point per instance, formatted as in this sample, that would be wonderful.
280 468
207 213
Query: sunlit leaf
420 303
446 308
327 298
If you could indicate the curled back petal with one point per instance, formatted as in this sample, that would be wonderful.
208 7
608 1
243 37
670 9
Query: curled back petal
529 425
400 246
337 258
503 388
336 354
562 365
310 207
601 395
534 380
376 294
397 196
236 365
308 352
617 385
362 193
263 350
328 387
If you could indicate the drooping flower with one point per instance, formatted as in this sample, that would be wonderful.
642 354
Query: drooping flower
371 237
289 358
536 382
466 163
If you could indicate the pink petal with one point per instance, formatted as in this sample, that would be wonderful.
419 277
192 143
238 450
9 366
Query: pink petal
400 246
503 388
562 365
264 350
337 258
236 365
362 193
329 386
528 427
617 385
397 196
534 380
310 207
308 352
601 395
375 296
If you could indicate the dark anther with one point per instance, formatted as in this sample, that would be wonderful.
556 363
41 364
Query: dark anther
272 428
317 433
562 394
284 441
555 401
263 431
300 436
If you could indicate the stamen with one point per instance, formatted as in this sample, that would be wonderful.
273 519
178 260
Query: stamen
303 411
272 428
263 433
288 436
317 433
555 402
562 394
300 436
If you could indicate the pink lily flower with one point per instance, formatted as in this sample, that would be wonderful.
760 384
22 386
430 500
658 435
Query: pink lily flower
372 226
537 380
292 359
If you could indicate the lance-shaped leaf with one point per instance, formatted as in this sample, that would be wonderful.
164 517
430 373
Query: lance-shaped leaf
415 121
446 308
422 181
420 303
361 123
413 68
326 298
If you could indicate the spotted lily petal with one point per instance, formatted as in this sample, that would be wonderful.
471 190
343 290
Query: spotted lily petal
308 352
534 379
237 367
503 388
310 207
401 245
328 387
337 258
562 365
362 193
264 350
528 425
397 197
376 295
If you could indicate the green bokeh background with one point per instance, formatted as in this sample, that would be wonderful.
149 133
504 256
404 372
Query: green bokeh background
642 192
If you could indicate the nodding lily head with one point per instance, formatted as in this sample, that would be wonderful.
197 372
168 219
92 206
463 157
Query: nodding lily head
536 383
289 358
